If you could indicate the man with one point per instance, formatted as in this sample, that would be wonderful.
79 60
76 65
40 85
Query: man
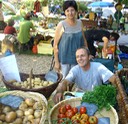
100 35
86 75
26 26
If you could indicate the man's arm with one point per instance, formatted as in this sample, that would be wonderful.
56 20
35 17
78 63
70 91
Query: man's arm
62 87
105 46
112 79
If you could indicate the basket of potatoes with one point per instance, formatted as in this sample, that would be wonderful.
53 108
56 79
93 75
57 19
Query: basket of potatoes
19 107
34 83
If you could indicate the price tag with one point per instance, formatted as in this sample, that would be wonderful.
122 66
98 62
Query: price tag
11 100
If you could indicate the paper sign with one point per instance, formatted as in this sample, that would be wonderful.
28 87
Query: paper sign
9 69
11 100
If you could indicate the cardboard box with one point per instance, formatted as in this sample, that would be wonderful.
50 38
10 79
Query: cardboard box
45 48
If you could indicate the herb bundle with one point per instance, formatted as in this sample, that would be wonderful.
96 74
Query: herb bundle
103 96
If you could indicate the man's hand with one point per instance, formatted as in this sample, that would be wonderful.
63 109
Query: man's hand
58 97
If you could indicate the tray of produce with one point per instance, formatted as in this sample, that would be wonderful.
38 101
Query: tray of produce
94 107
34 83
19 107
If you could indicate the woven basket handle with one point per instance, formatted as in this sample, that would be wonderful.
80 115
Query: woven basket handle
30 77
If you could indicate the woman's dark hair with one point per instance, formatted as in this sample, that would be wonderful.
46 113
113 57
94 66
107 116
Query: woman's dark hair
115 35
70 3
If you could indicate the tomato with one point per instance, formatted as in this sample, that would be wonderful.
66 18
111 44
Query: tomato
67 106
83 110
61 116
75 110
69 113
62 110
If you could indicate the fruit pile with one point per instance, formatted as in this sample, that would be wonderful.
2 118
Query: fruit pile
29 112
35 83
74 115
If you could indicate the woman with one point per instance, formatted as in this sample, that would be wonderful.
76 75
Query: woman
68 38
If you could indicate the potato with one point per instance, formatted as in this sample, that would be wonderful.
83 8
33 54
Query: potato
10 117
2 117
6 109
23 106
18 121
30 117
37 105
37 113
29 101
45 83
19 113
28 112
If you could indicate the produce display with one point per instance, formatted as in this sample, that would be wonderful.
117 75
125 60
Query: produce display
94 107
29 110
73 115
35 83
104 96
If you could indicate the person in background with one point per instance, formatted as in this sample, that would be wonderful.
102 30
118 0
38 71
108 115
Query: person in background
9 29
23 11
100 35
37 6
25 27
85 75
110 22
68 38
2 23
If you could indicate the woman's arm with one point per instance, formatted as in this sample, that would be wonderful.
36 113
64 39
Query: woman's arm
58 33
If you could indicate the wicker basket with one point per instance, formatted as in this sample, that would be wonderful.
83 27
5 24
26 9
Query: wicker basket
75 102
46 91
122 97
35 96
124 63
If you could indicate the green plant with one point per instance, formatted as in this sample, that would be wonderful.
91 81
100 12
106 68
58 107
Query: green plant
82 7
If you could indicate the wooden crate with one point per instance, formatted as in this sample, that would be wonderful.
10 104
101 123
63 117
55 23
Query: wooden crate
45 48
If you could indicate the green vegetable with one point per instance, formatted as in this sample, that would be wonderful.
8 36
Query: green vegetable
103 96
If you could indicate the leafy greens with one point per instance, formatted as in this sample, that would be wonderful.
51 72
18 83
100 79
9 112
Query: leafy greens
103 96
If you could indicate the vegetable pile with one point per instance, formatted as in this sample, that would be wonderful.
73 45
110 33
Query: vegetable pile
103 96
68 114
